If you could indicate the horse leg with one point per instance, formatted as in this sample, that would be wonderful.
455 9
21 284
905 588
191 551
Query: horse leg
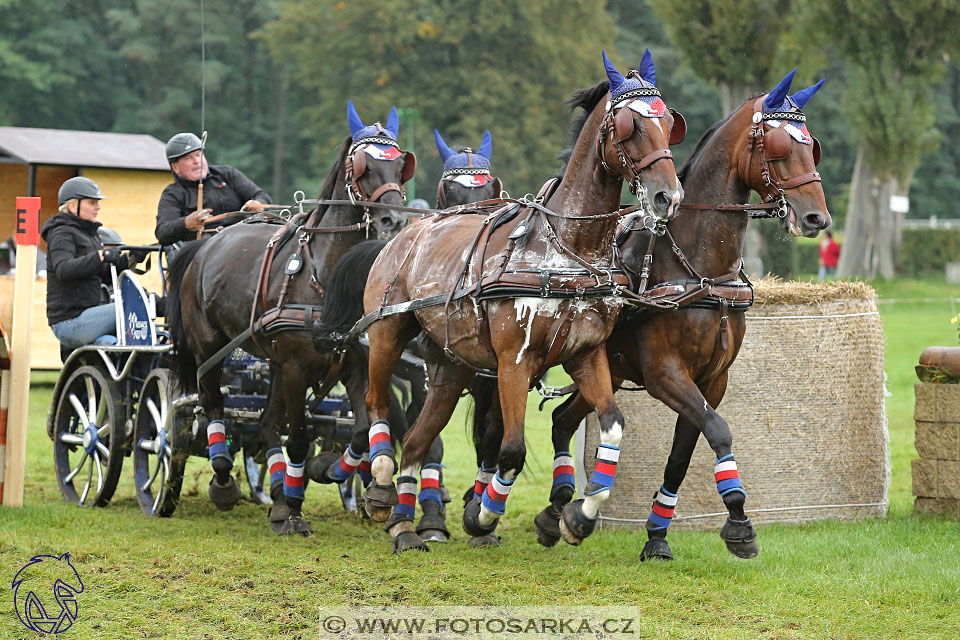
487 436
276 462
697 415
591 373
447 381
224 491
294 395
480 518
432 526
388 337
566 420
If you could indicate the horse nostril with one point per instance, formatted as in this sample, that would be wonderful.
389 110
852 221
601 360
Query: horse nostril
813 220
661 202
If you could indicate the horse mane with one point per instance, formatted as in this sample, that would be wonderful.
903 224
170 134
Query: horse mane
705 138
587 99
326 192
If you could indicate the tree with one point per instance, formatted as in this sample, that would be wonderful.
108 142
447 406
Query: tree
465 67
895 53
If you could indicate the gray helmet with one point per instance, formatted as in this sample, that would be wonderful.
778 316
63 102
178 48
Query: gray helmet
182 144
108 236
79 187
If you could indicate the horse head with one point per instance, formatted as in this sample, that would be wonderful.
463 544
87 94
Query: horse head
636 134
376 169
783 159
466 173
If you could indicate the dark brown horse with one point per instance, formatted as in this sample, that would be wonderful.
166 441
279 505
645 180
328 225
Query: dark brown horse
682 357
215 295
569 237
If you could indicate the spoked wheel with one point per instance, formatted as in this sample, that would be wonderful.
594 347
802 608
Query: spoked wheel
159 446
88 438
257 474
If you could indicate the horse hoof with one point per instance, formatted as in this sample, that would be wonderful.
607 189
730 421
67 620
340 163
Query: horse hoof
547 526
656 549
317 466
433 528
278 514
471 520
409 541
489 540
224 496
377 514
740 538
295 524
574 525
432 535
383 496
467 496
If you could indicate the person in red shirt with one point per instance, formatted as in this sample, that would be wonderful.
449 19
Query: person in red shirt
829 256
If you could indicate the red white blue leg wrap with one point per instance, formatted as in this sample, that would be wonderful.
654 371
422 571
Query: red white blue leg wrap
293 482
380 439
495 497
277 467
604 469
727 476
217 441
484 476
563 473
346 465
407 495
430 482
364 469
664 504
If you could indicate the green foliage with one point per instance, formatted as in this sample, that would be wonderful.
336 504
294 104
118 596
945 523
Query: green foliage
935 188
505 66
926 252
779 249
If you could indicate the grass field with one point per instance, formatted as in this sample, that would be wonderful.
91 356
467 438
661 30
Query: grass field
206 574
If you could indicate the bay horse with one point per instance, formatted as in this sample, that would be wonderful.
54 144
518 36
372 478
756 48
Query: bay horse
466 179
683 356
220 286
564 242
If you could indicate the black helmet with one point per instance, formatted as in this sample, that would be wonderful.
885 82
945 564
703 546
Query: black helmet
182 144
108 236
79 187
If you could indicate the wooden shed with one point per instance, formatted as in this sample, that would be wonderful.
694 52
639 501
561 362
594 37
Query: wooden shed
131 170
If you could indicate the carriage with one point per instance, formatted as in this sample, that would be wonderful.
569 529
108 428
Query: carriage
119 398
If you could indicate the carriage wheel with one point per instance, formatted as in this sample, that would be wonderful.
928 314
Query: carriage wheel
257 474
159 446
88 438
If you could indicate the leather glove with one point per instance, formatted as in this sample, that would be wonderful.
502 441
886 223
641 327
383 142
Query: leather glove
136 256
111 256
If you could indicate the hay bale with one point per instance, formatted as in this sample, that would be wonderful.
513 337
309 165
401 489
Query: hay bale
805 402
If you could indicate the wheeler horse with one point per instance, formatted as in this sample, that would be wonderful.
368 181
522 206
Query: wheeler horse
687 328
265 284
531 286
466 179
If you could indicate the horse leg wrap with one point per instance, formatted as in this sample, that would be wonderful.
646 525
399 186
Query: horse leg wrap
326 468
220 457
564 480
293 482
430 483
407 497
661 514
484 476
363 469
277 467
380 444
604 470
494 500
727 476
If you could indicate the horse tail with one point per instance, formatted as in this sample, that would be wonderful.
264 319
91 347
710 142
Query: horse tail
177 268
343 303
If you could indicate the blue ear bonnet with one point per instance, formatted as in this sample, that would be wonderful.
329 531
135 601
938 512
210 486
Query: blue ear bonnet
778 100
461 160
360 131
644 78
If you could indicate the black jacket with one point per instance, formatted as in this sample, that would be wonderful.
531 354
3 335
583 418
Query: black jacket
224 189
74 269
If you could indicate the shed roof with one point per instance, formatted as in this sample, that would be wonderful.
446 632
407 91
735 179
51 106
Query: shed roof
82 148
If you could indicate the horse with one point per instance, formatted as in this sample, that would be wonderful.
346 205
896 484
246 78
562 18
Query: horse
466 179
563 243
219 286
683 356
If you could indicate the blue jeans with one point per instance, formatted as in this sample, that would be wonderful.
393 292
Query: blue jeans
87 327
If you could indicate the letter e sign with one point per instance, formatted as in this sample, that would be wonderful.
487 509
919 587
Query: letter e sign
28 221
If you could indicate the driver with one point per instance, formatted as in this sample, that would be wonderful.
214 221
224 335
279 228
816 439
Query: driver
225 189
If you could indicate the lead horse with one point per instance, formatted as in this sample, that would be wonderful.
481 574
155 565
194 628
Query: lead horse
683 356
461 279
222 287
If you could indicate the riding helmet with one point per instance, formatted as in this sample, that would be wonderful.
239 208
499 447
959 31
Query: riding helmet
182 144
108 236
79 187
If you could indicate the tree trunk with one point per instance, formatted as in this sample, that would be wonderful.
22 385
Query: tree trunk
733 95
870 234
279 146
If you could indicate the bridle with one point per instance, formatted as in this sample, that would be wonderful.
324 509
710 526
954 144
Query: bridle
775 145
469 170
356 164
618 125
